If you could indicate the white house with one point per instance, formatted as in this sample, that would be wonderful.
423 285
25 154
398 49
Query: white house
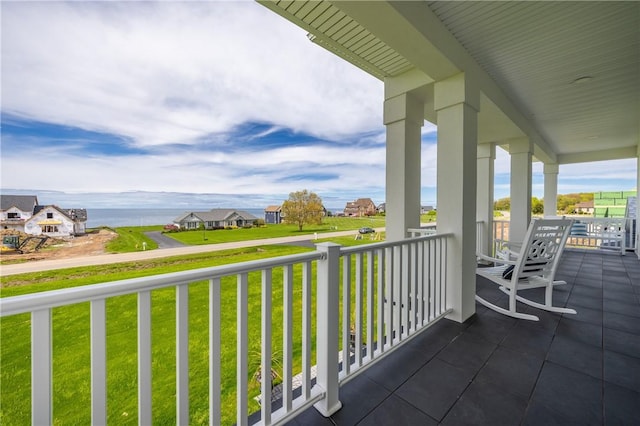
53 221
15 210
214 219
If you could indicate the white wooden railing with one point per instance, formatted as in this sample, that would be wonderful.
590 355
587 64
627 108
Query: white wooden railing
394 290
430 229
399 290
587 232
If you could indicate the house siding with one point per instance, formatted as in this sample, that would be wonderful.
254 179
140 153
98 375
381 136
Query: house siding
51 222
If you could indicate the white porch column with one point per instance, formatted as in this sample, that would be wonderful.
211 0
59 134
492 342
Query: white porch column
403 116
638 202
550 171
457 102
521 176
484 199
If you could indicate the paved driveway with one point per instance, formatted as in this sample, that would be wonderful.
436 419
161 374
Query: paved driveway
163 241
104 259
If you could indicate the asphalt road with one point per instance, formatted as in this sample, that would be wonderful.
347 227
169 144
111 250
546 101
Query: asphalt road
163 241
105 259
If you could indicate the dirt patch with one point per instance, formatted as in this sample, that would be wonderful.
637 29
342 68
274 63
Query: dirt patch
90 244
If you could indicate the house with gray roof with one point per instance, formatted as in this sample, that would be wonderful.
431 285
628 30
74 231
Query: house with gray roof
54 221
23 213
15 210
215 219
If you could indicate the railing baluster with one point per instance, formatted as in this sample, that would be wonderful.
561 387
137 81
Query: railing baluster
41 368
265 372
306 330
413 287
390 296
444 254
287 336
370 305
144 358
420 284
214 352
242 350
404 283
433 275
346 314
380 288
358 326
397 288
182 354
98 362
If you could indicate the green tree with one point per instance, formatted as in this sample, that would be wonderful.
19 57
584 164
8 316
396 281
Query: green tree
537 206
302 208
503 204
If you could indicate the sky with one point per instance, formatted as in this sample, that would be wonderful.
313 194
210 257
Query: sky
198 104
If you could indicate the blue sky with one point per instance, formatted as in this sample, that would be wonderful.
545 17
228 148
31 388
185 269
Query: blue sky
199 103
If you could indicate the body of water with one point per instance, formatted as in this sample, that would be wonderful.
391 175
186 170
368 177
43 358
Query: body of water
142 217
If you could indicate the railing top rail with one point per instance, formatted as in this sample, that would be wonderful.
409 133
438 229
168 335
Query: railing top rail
68 296
386 244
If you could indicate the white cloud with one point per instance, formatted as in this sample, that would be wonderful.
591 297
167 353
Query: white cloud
172 72
281 170
160 73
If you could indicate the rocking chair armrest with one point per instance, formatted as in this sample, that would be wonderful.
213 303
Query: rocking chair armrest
495 260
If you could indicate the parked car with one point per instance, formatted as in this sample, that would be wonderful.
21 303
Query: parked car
366 230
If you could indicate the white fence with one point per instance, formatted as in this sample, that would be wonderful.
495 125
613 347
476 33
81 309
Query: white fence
383 294
618 234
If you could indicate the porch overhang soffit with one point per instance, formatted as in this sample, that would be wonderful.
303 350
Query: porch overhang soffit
401 42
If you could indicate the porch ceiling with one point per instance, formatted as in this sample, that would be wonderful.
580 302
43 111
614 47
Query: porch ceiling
527 57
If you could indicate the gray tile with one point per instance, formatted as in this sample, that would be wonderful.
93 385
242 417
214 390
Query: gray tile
577 301
621 406
539 415
358 397
514 371
529 338
622 322
576 395
577 356
622 342
588 281
435 387
631 308
586 291
394 370
490 329
467 352
486 404
592 316
622 370
395 410
580 331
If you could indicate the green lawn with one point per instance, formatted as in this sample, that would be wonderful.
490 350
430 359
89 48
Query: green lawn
330 224
132 238
71 339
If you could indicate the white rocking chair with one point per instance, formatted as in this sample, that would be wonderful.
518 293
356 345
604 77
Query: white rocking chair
535 266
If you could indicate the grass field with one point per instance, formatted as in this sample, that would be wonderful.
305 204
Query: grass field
71 361
330 224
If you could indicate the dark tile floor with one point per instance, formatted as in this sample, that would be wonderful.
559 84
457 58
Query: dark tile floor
494 370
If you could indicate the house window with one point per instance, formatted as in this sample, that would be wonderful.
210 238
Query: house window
13 215
49 228
49 215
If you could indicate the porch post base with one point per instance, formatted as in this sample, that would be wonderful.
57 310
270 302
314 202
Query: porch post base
327 412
